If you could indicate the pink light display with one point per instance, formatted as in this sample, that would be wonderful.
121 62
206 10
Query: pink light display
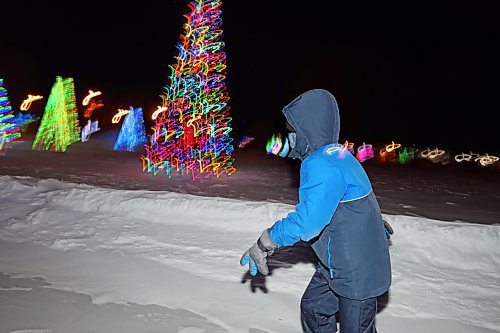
365 152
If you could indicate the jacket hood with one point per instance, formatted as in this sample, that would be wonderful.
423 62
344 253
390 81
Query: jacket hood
314 115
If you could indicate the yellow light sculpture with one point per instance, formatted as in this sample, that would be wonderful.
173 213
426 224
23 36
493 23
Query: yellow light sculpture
486 159
431 153
158 111
466 157
27 102
119 115
346 147
392 146
91 94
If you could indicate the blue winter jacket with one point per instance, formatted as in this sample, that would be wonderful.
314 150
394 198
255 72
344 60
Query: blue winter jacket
337 210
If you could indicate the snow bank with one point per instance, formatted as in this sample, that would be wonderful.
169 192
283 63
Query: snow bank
182 251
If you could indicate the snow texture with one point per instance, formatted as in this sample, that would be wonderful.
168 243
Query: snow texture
173 251
81 256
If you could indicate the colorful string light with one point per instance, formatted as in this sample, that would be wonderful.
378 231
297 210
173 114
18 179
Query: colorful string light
9 129
27 102
191 135
274 144
91 95
390 153
365 152
132 133
23 119
59 127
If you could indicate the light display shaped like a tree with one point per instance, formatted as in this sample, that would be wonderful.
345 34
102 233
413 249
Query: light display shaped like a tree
71 110
9 129
191 135
59 126
132 133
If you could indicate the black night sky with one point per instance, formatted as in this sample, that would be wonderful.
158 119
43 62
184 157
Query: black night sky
424 74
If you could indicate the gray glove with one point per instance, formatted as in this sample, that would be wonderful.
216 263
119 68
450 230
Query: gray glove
256 255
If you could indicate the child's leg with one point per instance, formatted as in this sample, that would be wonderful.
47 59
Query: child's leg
357 316
319 305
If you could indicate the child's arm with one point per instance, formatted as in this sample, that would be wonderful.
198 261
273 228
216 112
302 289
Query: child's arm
321 189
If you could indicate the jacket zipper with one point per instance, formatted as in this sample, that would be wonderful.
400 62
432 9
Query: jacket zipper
329 257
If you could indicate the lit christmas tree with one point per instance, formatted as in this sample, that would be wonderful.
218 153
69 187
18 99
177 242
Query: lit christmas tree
71 110
191 133
9 129
132 133
59 127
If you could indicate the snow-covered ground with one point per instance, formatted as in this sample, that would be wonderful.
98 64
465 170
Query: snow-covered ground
95 253
454 192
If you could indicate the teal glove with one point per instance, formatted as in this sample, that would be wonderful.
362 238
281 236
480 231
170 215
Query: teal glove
257 254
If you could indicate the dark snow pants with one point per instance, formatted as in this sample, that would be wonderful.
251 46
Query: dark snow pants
319 305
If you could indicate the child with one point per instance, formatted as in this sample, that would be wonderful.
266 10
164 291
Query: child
339 214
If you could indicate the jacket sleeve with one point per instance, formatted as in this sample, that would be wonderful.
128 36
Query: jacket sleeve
321 189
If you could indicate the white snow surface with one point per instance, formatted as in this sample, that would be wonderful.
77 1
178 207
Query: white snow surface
80 258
